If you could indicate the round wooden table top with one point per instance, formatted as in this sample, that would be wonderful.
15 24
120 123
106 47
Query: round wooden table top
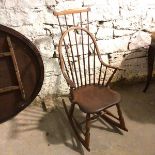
21 72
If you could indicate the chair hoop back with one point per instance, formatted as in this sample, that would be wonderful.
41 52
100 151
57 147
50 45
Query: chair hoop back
80 59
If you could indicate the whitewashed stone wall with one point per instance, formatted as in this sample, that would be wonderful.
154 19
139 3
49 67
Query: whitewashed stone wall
121 29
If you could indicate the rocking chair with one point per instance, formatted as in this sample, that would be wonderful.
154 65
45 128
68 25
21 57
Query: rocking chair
88 78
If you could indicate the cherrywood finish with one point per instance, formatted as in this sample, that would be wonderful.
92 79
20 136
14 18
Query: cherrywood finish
16 67
21 72
88 77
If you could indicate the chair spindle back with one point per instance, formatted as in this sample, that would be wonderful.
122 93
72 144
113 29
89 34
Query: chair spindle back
80 58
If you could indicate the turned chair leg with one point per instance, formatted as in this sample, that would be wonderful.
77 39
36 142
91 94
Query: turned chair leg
121 119
86 139
87 134
113 118
71 110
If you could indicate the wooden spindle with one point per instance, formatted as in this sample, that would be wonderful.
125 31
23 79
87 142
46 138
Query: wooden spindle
72 53
89 61
87 20
105 72
94 64
100 75
78 56
88 50
111 77
83 53
66 53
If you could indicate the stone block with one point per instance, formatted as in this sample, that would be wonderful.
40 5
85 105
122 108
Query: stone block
131 23
149 21
4 17
89 3
119 33
93 27
49 18
104 33
31 31
112 45
103 10
45 45
68 5
139 39
135 68
105 24
2 6
50 2
31 3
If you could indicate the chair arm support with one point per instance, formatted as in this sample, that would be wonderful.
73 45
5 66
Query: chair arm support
113 67
68 80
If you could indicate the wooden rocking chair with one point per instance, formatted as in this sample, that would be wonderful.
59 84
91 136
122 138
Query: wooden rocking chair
89 78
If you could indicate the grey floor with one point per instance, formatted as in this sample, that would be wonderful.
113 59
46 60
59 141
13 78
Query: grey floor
34 132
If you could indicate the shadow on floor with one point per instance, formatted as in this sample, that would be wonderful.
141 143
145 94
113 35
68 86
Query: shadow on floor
58 131
54 125
136 104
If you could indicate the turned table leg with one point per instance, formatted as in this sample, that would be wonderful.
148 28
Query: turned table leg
151 55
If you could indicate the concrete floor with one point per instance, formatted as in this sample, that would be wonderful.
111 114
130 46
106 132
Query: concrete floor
34 132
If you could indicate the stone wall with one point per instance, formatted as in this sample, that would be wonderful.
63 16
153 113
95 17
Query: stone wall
122 30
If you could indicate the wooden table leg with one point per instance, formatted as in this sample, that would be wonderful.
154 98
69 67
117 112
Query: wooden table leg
151 55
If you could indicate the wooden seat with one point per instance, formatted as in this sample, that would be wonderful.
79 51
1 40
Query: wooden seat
88 77
94 98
